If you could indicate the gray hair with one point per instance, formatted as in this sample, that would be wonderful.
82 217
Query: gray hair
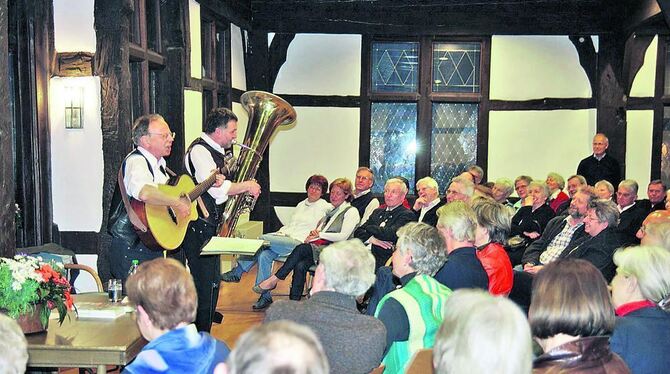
649 265
349 267
658 233
468 186
428 182
425 244
460 218
658 181
606 211
494 217
524 178
141 126
478 170
397 181
278 347
506 185
558 178
629 184
581 179
541 185
475 319
605 184
13 346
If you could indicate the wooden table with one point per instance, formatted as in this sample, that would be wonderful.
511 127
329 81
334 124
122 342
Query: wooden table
86 343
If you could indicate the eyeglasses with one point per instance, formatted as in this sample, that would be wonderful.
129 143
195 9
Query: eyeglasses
164 135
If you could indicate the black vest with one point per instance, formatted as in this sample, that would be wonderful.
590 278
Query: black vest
223 163
362 202
118 223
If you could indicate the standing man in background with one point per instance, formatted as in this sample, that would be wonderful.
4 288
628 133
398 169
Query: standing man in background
600 165
211 151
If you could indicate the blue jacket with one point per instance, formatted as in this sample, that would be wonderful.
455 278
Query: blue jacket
642 339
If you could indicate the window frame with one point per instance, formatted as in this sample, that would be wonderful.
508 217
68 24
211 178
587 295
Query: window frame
215 88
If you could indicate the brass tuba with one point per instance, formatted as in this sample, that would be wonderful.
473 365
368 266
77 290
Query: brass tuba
266 113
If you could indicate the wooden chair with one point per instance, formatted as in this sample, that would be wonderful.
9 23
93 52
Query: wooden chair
89 270
421 363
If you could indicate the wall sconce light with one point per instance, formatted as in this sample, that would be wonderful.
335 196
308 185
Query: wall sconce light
74 107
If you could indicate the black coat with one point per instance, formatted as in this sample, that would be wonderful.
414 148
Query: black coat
597 250
430 218
528 220
383 225
554 227
630 221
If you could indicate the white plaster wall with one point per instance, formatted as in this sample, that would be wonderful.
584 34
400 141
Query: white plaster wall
237 73
638 148
192 116
319 64
643 85
73 26
532 67
323 141
76 158
538 142
194 33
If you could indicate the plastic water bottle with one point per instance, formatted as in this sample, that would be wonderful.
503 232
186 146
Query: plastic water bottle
133 267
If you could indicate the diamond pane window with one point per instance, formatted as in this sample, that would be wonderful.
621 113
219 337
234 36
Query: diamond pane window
456 67
665 147
395 67
392 142
454 140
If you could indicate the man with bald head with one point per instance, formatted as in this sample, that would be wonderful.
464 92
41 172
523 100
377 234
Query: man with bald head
655 229
600 165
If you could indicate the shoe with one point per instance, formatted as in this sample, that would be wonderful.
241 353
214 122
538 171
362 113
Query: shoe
257 289
230 277
261 304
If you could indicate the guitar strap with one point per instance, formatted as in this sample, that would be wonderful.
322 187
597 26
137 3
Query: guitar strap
134 219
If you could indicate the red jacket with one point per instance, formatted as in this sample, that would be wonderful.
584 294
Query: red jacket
558 201
498 267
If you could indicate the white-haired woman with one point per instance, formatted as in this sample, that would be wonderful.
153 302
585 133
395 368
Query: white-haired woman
641 295
529 222
557 197
474 320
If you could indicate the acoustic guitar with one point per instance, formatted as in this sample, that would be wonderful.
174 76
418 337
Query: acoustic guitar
164 230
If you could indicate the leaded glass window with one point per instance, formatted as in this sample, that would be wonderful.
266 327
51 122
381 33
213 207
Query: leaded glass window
456 67
454 140
395 67
392 142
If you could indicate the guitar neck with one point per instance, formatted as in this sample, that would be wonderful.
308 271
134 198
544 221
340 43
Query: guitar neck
202 187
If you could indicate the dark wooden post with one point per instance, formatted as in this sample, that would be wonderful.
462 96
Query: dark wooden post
7 238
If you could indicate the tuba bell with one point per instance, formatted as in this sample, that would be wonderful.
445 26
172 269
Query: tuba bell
267 112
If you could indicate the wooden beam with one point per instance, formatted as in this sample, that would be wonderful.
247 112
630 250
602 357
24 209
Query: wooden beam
322 100
633 59
235 11
664 5
278 51
588 58
74 64
640 14
543 104
7 228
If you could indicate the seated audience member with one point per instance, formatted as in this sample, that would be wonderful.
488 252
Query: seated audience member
604 190
305 217
477 173
354 343
413 314
570 315
363 199
521 184
426 205
457 224
575 182
460 189
502 190
405 202
655 229
380 229
337 225
557 197
641 296
631 213
482 334
165 299
13 346
655 196
493 225
277 347
529 221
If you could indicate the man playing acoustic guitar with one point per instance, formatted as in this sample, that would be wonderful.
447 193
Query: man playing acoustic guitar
142 171
211 151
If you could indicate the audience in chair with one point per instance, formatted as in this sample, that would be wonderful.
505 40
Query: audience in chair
641 295
428 201
277 347
337 225
631 213
557 197
363 200
460 189
13 346
413 314
482 334
165 299
354 343
655 196
521 184
305 217
570 316
575 183
655 229
529 221
604 190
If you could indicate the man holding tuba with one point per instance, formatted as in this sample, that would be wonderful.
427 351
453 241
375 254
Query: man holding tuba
211 151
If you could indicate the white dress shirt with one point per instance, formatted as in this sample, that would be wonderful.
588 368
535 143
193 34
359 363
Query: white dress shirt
204 165
137 175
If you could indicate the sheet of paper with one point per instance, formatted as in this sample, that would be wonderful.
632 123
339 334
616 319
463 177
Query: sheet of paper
236 246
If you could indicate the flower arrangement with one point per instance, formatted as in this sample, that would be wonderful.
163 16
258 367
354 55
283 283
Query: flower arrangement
26 281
